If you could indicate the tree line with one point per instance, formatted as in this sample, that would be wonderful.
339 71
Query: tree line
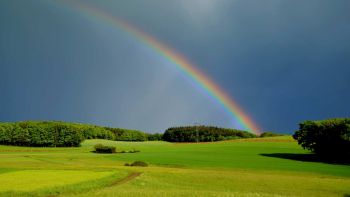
63 134
41 134
203 134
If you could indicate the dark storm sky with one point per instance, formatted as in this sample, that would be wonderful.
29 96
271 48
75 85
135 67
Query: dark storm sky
282 61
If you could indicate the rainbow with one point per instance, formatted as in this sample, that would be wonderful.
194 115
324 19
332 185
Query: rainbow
180 61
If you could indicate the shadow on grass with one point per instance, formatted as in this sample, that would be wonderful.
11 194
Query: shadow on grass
309 158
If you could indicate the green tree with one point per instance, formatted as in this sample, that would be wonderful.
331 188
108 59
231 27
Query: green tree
329 138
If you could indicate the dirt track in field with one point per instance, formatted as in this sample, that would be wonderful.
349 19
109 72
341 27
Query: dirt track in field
126 179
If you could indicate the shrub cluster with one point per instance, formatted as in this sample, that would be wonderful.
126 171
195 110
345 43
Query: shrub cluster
327 137
137 163
99 148
205 134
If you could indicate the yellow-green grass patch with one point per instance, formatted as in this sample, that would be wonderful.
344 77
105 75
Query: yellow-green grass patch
30 180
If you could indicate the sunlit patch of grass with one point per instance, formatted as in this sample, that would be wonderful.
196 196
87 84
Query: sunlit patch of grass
30 180
92 181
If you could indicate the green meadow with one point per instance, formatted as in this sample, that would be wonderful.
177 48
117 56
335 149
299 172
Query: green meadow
275 166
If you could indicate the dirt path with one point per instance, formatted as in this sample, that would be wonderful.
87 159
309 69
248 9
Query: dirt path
126 179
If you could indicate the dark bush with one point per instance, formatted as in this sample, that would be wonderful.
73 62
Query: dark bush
100 148
330 138
139 163
270 134
205 134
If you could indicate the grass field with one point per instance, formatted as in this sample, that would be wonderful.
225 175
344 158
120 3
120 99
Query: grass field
256 167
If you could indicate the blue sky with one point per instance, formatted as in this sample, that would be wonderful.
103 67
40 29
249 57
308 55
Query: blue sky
282 61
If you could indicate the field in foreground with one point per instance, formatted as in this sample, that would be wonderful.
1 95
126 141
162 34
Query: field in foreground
254 167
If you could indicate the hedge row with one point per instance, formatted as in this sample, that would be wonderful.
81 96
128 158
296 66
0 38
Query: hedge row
205 134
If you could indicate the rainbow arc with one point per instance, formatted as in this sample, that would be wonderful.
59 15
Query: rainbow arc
180 61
